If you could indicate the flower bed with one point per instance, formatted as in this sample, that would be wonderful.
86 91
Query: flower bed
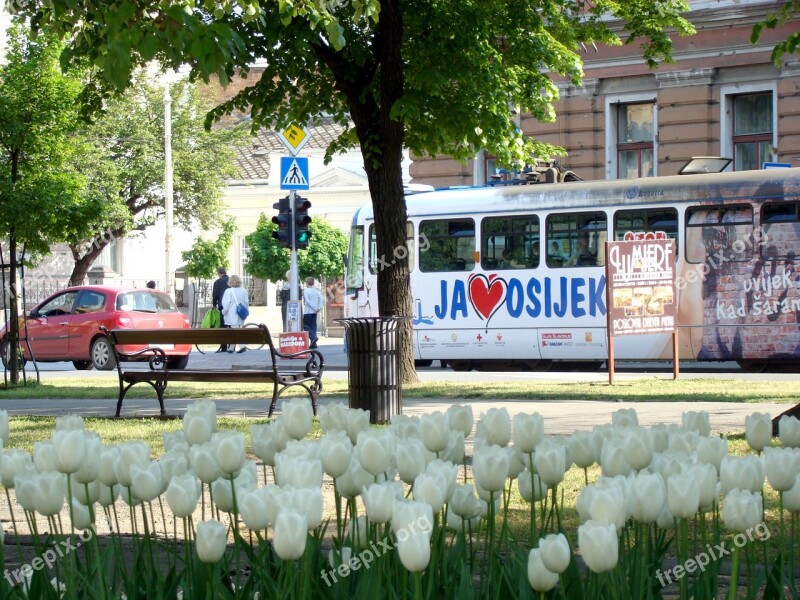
411 515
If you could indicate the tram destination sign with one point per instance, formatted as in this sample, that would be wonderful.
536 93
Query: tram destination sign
640 282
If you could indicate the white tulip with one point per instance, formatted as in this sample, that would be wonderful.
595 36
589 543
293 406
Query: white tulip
90 469
333 417
229 451
70 449
697 421
183 494
531 488
539 576
434 431
464 503
203 462
683 496
404 426
490 468
742 510
147 482
81 517
297 417
375 449
550 461
130 453
528 431
711 450
410 458
211 539
268 440
460 418
637 447
743 472
758 430
599 545
791 497
430 489
44 456
297 472
789 431
612 458
414 551
705 478
581 449
336 450
624 417
650 495
495 427
69 423
555 552
4 431
607 504
200 421
49 497
379 500
357 420
782 466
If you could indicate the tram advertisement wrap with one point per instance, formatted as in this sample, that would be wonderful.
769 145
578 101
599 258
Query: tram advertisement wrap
640 276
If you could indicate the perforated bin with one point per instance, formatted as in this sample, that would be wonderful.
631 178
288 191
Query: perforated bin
374 366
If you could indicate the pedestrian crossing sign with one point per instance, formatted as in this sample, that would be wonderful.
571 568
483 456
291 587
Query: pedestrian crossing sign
294 173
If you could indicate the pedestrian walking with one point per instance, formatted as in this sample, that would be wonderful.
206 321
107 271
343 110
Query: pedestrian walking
234 298
217 291
313 302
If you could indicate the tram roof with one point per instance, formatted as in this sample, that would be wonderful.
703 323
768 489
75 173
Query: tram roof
674 189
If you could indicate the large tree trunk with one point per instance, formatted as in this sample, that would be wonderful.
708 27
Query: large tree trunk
84 262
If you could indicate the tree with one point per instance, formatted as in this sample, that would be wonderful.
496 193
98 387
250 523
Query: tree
436 77
323 257
125 165
790 10
206 256
42 198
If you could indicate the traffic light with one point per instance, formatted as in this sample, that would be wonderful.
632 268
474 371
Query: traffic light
284 222
301 221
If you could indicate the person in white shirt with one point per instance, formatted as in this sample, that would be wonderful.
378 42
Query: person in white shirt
313 302
232 297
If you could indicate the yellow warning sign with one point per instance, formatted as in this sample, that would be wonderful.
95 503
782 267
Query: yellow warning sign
294 138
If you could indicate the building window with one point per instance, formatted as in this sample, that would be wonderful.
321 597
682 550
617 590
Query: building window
244 256
752 131
635 140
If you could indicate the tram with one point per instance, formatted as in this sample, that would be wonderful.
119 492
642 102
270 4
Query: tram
515 275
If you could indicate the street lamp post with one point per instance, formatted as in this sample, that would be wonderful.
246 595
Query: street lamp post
168 209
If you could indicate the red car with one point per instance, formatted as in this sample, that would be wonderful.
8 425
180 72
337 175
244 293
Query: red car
66 326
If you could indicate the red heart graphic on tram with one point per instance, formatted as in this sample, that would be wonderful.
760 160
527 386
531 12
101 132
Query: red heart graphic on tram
486 294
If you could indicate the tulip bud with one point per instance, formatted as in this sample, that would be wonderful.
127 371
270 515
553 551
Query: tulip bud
625 417
599 545
758 430
4 432
742 510
336 450
107 459
130 453
44 456
550 461
297 416
410 458
697 421
434 431
490 468
791 497
555 552
782 466
229 451
211 539
199 422
637 447
147 482
612 458
711 450
414 551
495 427
464 503
203 461
183 493
379 499
607 504
742 472
460 418
539 576
290 534
268 440
411 517
430 489
374 449
297 472
357 420
404 426
26 488
70 450
531 488
49 498
789 431
81 518
85 493
90 469
528 432
69 423
705 478
650 495
683 496
581 449
333 417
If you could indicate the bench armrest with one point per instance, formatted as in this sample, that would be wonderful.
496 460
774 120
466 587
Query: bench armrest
315 363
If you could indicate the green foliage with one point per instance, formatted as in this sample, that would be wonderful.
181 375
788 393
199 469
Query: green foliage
322 258
791 45
205 256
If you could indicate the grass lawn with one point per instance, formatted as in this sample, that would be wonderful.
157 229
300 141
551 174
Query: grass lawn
640 390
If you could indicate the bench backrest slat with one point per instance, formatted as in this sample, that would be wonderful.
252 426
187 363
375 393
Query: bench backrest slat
247 335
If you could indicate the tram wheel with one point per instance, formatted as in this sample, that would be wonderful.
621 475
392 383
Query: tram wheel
460 365
754 366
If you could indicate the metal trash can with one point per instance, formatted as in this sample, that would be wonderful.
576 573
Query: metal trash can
374 366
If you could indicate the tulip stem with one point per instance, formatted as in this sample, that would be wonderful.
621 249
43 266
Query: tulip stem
734 584
14 527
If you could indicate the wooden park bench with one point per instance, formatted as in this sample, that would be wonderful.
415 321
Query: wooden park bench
158 375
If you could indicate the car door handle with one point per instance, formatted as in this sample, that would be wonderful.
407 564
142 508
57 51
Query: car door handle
64 323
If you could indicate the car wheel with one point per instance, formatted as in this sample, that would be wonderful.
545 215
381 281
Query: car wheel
177 362
4 354
82 365
102 357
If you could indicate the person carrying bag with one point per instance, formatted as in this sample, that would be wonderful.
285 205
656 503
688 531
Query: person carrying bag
235 304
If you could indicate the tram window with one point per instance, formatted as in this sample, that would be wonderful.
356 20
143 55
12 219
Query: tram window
646 220
375 264
726 234
510 242
780 224
576 240
450 245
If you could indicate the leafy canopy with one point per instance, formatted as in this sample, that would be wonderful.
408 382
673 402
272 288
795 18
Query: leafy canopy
460 64
206 256
791 44
323 257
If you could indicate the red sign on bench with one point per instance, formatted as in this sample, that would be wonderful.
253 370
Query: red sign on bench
293 341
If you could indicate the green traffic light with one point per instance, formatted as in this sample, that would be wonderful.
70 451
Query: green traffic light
303 237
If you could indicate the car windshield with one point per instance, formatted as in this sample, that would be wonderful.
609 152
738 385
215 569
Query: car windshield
145 302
